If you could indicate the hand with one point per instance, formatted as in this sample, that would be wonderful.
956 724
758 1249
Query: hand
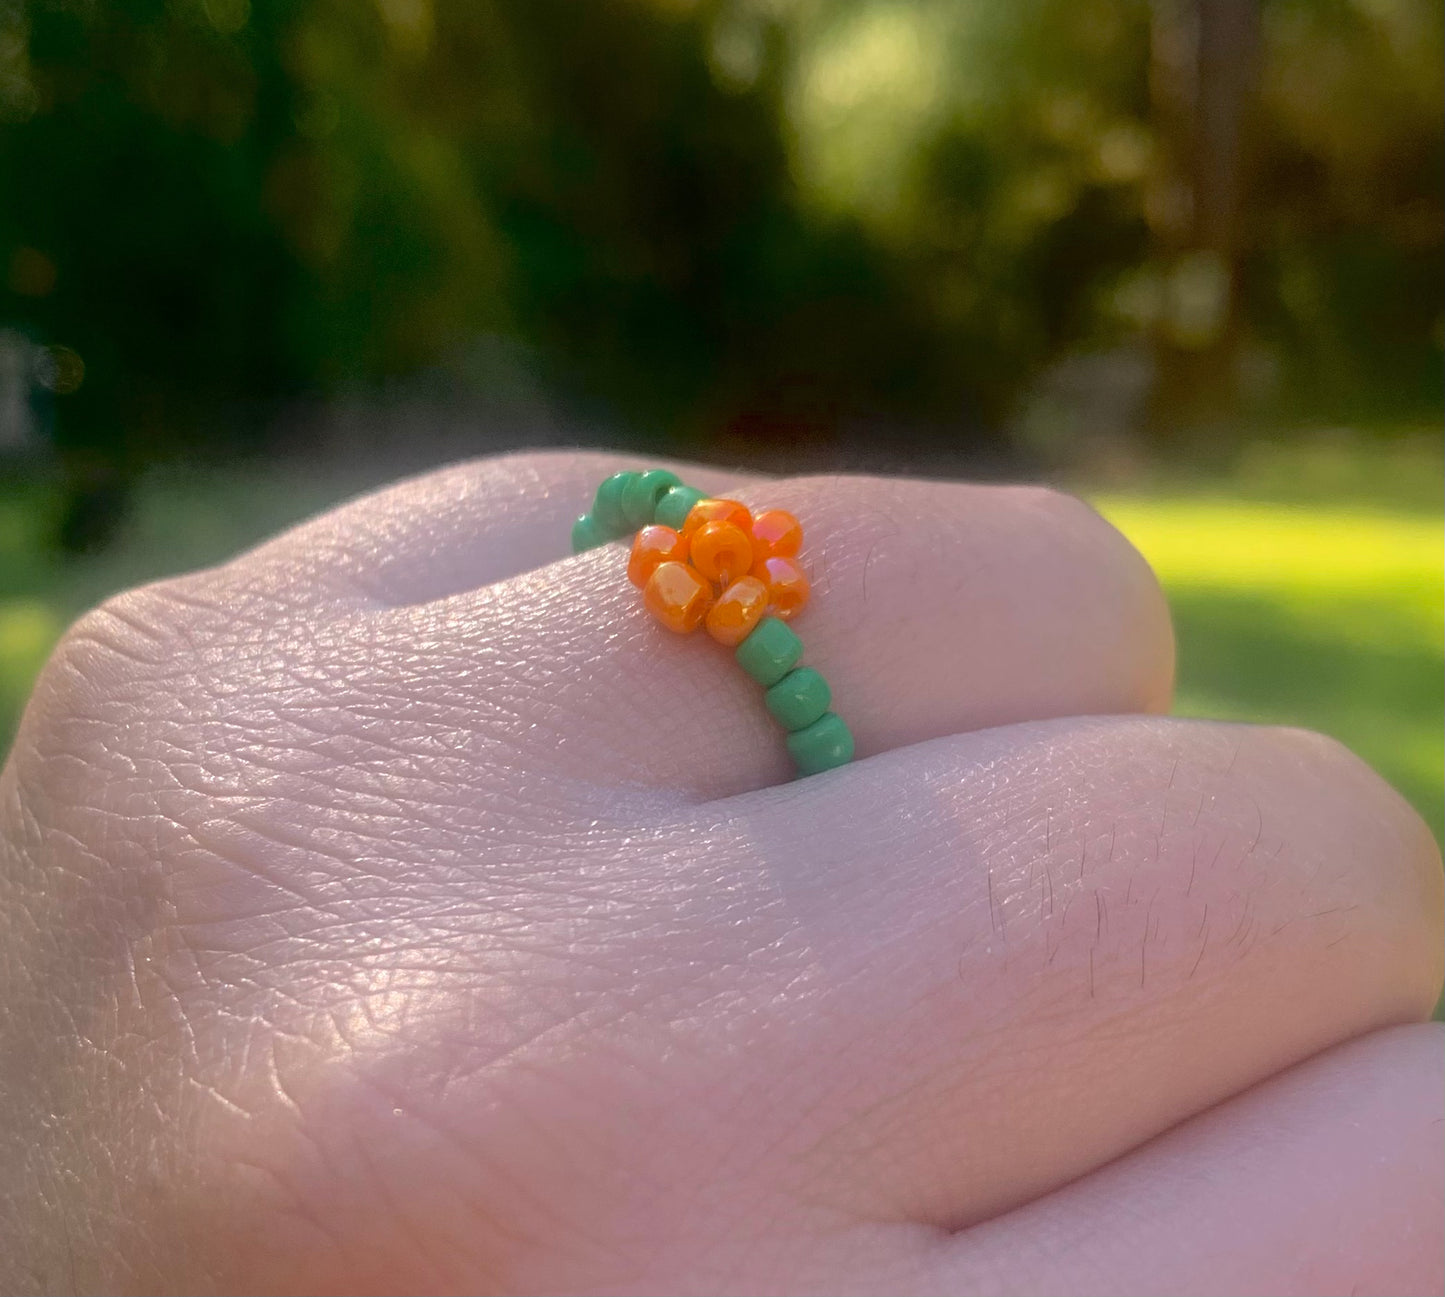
398 908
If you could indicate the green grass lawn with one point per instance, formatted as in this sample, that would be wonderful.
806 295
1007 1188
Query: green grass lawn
1326 616
1307 587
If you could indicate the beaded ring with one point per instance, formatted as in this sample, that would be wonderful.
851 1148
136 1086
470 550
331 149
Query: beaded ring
709 562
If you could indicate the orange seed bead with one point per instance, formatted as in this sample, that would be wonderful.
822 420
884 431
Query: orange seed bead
738 609
787 585
721 551
710 510
776 534
651 546
677 596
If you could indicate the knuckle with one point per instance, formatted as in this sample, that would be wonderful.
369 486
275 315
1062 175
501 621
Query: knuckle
1081 530
126 628
1394 823
1063 507
1059 512
1324 750
1385 849
104 656
546 466
1126 602
119 671
1145 648
134 640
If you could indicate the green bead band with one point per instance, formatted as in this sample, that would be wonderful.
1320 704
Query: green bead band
769 652
799 698
586 534
673 508
826 743
640 497
607 505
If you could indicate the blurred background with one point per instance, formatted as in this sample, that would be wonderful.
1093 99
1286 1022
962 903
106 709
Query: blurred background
1184 256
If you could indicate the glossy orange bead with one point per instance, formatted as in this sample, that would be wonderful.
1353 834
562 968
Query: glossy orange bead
787 585
776 534
738 609
710 510
721 551
651 546
677 596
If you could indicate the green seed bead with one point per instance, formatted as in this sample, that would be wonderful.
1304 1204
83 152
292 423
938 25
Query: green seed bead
586 534
607 506
799 698
641 495
673 508
769 652
826 743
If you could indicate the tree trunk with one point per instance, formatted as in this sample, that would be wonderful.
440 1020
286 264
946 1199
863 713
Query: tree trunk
1204 79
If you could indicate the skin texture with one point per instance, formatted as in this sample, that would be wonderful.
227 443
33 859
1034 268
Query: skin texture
397 908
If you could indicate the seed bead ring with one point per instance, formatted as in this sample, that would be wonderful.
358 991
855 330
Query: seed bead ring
701 561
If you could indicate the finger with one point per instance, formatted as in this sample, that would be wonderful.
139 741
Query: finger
917 993
451 530
936 608
997 961
1327 1179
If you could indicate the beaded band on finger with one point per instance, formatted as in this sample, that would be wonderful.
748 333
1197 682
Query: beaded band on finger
701 561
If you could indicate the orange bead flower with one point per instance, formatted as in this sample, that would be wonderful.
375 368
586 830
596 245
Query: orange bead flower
776 534
677 596
652 546
705 561
721 551
725 566
738 609
705 511
787 586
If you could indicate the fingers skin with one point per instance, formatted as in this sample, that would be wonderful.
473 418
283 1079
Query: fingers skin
1038 947
417 986
764 1023
448 531
1327 1179
1021 600
936 608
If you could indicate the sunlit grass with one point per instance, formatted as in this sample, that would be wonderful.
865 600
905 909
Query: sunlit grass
1315 553
1331 617
28 630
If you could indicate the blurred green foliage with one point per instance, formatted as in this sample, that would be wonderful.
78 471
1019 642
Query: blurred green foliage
716 217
